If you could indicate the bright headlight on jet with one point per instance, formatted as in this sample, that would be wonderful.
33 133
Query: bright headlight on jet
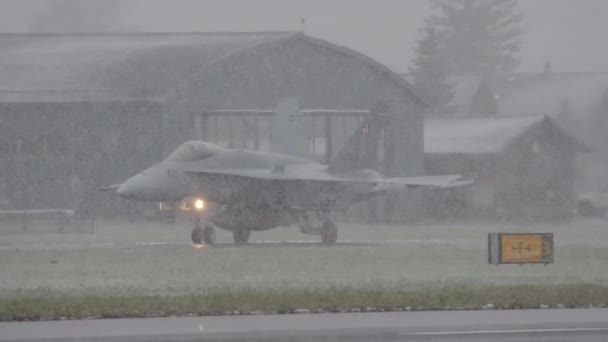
199 204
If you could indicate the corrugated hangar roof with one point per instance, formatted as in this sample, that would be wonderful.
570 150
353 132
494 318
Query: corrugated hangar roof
474 135
110 67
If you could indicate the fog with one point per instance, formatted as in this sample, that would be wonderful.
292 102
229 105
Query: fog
556 30
411 147
478 63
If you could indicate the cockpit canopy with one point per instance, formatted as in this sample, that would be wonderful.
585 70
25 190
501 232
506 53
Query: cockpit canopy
194 151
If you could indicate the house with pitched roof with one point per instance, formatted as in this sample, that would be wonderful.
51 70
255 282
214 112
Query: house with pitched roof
523 167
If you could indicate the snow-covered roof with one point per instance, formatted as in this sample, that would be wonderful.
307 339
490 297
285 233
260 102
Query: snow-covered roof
474 135
113 67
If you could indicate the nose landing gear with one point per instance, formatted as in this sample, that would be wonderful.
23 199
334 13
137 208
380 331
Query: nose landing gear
200 234
329 233
206 235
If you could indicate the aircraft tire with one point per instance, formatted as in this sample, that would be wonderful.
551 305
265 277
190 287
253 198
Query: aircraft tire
329 233
209 235
241 236
197 235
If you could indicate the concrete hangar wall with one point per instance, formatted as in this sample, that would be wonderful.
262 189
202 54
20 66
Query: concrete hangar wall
85 110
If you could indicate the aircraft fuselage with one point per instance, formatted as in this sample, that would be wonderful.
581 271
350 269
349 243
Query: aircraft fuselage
250 203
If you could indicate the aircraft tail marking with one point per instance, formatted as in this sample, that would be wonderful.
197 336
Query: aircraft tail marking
361 149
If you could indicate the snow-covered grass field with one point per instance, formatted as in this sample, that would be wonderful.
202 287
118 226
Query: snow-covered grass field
147 258
156 257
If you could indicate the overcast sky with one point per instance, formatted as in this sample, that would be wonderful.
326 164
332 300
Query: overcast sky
568 32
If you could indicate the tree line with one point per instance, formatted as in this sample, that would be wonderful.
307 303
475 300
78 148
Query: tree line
465 37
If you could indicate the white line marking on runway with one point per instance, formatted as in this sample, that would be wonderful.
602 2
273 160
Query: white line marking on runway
157 243
514 331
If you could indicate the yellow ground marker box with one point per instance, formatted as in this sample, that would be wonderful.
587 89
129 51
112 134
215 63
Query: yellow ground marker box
520 248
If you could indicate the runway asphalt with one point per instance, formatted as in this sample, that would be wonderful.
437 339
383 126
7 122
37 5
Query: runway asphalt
584 325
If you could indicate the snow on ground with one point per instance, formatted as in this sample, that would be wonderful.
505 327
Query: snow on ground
149 257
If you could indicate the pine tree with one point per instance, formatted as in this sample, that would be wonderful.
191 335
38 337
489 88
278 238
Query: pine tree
481 37
484 103
430 73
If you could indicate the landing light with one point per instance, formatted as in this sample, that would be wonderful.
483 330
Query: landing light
199 245
199 204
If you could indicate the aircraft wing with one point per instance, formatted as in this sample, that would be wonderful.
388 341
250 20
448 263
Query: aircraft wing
318 173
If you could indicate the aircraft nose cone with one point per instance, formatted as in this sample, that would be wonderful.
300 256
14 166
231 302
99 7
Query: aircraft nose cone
130 189
122 191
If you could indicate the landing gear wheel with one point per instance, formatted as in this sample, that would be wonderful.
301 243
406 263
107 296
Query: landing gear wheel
329 233
241 236
197 235
209 235
206 235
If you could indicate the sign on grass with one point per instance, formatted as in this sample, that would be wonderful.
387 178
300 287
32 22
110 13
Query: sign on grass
520 248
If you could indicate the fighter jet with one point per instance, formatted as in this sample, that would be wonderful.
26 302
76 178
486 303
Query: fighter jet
256 191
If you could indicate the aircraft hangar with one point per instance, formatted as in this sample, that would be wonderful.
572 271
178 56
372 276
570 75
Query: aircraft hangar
78 111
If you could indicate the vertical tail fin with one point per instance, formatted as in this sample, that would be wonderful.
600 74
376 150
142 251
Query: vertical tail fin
361 149
287 135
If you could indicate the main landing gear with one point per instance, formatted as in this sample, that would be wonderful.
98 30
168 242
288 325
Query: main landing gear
329 233
206 234
319 226
241 236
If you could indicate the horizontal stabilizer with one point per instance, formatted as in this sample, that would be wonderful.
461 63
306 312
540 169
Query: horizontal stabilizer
442 181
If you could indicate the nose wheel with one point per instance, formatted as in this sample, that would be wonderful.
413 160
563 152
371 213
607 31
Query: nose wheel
203 235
